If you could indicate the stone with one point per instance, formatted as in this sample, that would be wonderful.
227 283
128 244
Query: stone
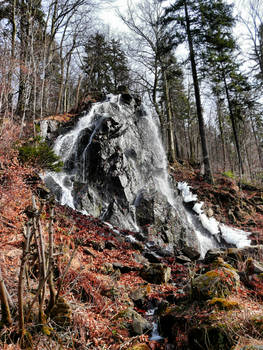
163 252
137 245
191 253
253 267
152 257
183 259
213 254
215 283
210 212
138 296
88 252
140 259
156 273
43 192
99 246
136 323
54 187
110 244
123 268
126 98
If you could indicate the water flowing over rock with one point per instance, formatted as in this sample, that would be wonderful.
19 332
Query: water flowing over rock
115 168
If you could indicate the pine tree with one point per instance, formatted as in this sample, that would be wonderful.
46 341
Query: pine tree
186 16
220 64
105 65
118 64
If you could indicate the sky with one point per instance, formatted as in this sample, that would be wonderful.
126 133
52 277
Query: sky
109 16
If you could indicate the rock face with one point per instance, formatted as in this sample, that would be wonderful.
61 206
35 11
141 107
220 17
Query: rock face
115 169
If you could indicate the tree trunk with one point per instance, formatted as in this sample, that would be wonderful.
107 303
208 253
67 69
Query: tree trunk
58 108
10 74
170 126
222 137
207 168
78 90
259 148
234 128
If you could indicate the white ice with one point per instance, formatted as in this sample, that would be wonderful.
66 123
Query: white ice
211 224
187 195
198 208
231 235
235 236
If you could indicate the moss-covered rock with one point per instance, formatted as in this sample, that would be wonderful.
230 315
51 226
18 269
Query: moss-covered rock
140 347
220 262
156 273
215 283
224 304
136 323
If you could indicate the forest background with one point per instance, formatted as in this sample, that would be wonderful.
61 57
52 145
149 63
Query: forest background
58 54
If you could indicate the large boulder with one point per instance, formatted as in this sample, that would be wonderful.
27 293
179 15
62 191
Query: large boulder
219 282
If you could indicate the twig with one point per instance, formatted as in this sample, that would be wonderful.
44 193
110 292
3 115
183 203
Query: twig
52 298
6 222
21 281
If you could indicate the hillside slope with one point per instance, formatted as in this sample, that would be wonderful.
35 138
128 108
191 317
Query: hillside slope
106 288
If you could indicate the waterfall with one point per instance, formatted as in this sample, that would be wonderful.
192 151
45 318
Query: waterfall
115 165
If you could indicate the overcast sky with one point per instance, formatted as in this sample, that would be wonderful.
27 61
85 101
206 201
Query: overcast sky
108 15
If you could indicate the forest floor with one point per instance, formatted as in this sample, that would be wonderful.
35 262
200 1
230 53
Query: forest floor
100 273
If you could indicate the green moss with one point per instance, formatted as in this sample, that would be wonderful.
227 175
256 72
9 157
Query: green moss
219 262
224 304
140 347
215 283
228 174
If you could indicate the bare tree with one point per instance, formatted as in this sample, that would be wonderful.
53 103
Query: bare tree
149 53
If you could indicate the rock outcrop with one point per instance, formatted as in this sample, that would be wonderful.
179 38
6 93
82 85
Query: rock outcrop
115 169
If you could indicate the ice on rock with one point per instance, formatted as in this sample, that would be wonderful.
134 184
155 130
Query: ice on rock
198 208
235 236
187 195
210 224
230 235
